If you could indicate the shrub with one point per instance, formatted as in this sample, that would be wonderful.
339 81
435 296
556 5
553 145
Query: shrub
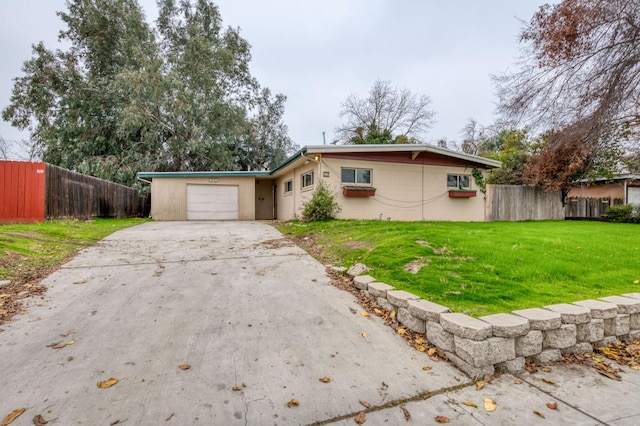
321 206
621 213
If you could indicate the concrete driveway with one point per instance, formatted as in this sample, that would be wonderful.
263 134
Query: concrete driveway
254 316
258 322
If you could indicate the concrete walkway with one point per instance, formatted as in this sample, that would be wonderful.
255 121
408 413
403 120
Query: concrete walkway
259 324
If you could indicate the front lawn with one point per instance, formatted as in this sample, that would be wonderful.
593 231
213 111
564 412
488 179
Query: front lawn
485 268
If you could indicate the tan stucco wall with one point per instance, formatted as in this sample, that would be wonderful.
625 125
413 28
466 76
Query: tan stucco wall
405 192
400 191
169 196
613 190
289 204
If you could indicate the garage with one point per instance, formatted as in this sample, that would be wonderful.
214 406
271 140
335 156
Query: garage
633 195
212 202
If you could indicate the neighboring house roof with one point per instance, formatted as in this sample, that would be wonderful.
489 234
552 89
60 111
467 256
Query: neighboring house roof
301 155
621 176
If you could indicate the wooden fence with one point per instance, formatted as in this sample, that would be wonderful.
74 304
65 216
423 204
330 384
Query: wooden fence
588 208
70 194
517 202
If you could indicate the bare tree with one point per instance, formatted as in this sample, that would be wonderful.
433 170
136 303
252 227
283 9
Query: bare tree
4 149
579 81
388 114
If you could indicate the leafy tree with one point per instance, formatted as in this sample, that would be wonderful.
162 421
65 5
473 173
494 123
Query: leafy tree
387 115
265 143
125 98
321 206
513 148
580 84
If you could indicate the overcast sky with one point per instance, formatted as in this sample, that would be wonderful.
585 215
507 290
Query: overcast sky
319 52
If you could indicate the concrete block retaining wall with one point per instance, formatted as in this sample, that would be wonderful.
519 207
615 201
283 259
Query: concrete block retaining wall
501 342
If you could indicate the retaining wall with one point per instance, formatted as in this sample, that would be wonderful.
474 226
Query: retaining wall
501 342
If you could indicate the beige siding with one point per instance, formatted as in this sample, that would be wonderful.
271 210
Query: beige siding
405 192
290 204
169 196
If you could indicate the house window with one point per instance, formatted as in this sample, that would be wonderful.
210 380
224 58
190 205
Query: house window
307 179
459 181
288 186
358 176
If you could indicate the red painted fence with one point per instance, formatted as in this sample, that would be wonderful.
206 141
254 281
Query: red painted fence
22 191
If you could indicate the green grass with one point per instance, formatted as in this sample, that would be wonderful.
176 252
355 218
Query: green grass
485 268
29 251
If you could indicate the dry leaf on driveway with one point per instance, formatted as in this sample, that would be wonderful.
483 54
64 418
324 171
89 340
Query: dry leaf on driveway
107 383
479 385
365 404
552 405
360 418
39 420
489 405
364 313
551 382
293 403
324 379
184 366
470 404
539 413
442 419
12 416
426 368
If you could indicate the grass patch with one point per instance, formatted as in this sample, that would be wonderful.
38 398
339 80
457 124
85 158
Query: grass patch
485 268
30 251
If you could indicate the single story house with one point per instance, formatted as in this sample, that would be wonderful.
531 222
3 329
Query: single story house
624 187
407 182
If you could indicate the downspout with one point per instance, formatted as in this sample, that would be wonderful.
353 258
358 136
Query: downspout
625 192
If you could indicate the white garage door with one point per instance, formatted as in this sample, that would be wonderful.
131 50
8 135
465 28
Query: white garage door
212 202
633 195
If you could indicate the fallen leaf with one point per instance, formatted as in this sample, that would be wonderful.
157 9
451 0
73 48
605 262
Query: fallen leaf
3 311
597 359
69 359
80 282
22 293
170 417
12 416
432 351
363 334
365 404
479 385
419 341
107 383
293 403
539 413
407 414
364 313
420 348
4 295
442 419
392 314
552 405
39 420
378 311
35 319
116 422
427 368
489 404
517 382
546 369
236 388
636 281
470 404
324 379
360 418
551 382
635 367
401 331
184 366
70 342
58 345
